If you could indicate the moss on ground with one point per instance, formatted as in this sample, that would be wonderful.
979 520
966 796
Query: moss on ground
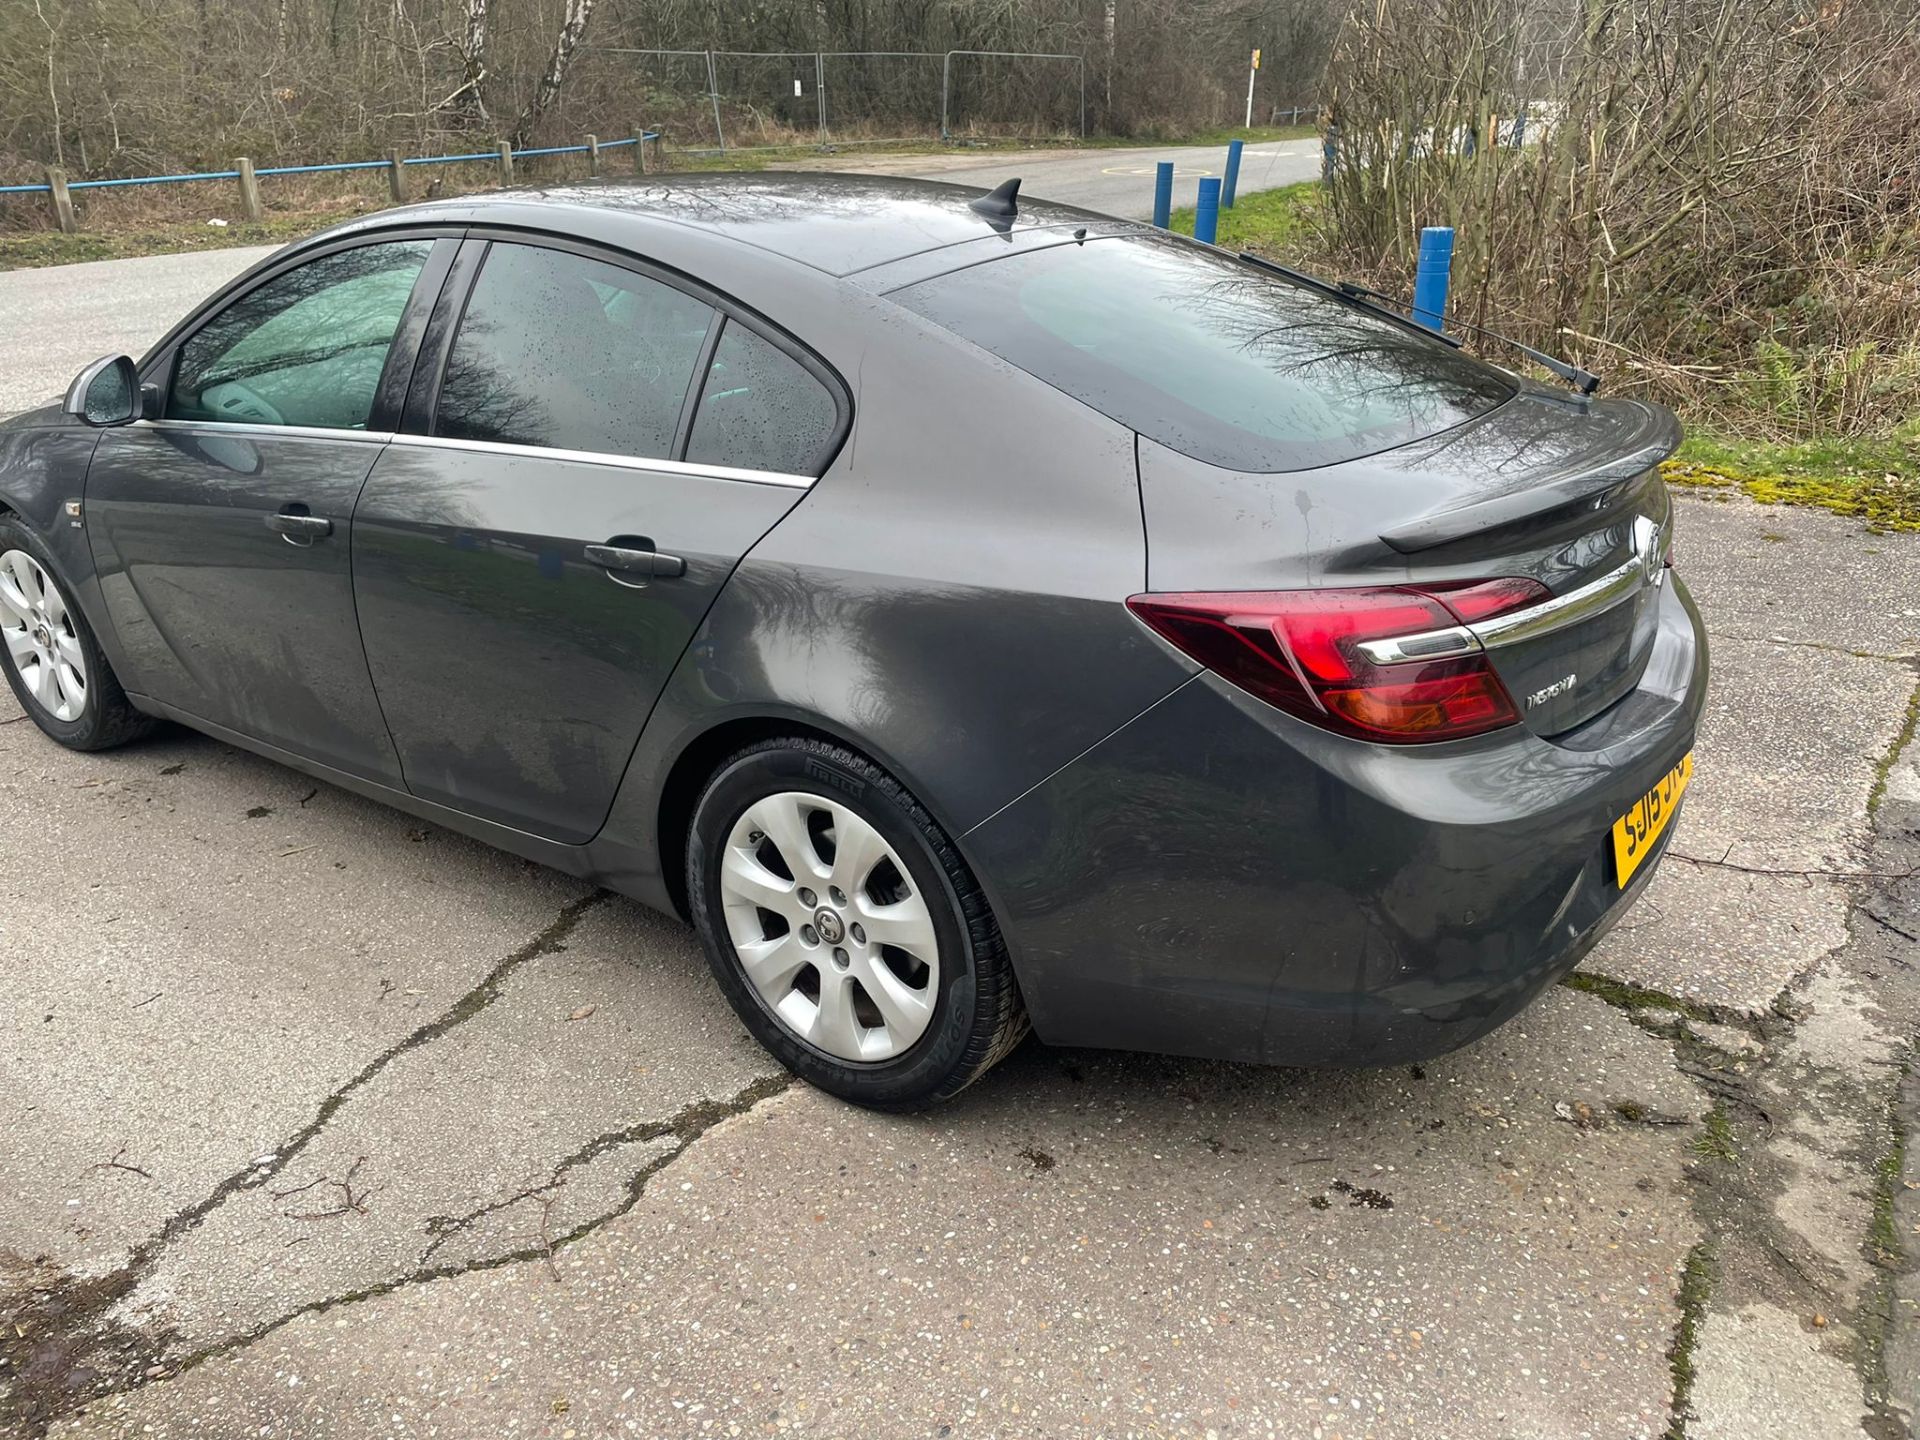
1715 1141
1883 1235
1696 1285
1624 995
1876 479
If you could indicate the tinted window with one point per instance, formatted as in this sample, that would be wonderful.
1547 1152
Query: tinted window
760 409
306 348
1211 356
562 351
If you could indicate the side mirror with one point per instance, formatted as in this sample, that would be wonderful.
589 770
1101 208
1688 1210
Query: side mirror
107 392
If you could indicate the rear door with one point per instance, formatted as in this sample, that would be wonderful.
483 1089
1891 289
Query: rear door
221 529
588 454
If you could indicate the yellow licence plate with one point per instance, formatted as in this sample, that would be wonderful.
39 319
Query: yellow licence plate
1634 833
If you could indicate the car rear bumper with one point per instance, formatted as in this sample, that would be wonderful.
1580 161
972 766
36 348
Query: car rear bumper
1218 879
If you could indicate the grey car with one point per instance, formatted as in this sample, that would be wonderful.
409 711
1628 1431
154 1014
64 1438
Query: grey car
970 613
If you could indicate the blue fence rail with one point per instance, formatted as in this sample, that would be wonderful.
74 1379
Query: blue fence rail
60 189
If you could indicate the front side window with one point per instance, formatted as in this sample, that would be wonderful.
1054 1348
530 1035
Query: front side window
1209 355
306 348
760 409
569 353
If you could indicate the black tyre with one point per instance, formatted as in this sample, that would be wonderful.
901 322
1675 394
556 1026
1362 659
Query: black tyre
53 662
845 928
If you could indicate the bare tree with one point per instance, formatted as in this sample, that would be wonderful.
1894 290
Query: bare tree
1670 188
573 29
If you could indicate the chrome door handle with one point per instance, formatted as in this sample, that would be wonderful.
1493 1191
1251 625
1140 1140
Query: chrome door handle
650 563
297 527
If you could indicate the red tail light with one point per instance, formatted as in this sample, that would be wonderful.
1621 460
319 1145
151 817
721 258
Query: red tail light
1301 651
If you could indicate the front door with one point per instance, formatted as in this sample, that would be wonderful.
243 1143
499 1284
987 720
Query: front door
529 573
222 531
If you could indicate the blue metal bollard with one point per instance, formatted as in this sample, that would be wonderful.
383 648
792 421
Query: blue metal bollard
1162 193
1232 182
1430 277
1206 213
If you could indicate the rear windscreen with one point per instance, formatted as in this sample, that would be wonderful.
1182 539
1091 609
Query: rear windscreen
1209 355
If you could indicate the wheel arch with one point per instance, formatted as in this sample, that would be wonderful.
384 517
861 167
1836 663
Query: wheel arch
702 754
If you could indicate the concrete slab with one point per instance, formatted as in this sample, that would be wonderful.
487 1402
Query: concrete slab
200 947
1789 749
1796 730
1766 1375
1721 938
1091 1244
513 1131
1798 576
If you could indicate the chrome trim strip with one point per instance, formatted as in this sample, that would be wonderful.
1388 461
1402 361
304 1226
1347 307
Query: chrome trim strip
1448 644
1514 628
488 447
1563 610
294 432
598 457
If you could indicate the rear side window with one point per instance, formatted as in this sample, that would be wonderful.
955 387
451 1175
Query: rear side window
306 348
570 353
1211 356
760 409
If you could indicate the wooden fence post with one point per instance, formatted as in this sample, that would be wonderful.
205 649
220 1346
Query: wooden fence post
506 162
62 200
639 149
397 178
593 156
249 190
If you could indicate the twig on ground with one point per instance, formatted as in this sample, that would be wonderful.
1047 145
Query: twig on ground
1886 924
1808 874
352 1202
546 1227
116 1163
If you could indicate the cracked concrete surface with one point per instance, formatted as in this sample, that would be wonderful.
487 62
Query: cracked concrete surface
1097 1242
564 1119
528 1176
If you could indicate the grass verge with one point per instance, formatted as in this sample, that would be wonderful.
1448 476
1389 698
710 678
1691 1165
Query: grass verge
1267 222
32 249
1876 480
1258 135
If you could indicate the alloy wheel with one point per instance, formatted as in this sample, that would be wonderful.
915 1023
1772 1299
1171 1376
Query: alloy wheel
829 927
38 630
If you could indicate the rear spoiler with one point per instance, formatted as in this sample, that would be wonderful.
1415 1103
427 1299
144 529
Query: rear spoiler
1596 488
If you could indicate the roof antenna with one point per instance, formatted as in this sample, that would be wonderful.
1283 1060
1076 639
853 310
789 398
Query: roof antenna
998 203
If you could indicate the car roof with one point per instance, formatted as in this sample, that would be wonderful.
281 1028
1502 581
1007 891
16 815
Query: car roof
838 224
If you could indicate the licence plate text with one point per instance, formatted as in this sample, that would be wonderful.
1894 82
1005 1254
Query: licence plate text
1635 832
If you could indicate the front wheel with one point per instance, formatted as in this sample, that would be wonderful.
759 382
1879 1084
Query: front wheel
53 662
845 929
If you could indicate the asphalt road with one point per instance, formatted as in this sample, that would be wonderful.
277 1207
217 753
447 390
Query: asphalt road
1115 182
318 1121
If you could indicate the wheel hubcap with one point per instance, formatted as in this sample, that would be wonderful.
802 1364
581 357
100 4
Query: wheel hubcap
37 628
829 927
